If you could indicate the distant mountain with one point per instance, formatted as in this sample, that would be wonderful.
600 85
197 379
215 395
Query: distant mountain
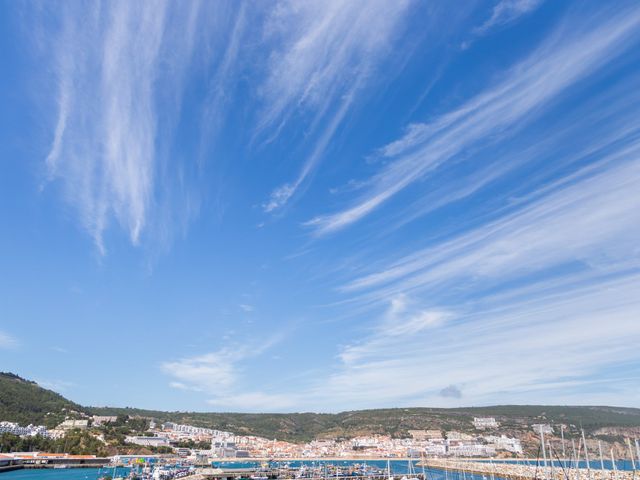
26 402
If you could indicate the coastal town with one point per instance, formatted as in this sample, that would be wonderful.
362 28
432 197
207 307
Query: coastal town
223 444
169 437
167 451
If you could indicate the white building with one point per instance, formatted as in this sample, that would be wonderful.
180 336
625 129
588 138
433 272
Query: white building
544 427
485 422
503 442
435 449
72 424
422 435
28 431
102 419
191 431
148 441
459 436
472 450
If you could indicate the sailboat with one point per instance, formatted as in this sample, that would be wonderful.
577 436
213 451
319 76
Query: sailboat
411 475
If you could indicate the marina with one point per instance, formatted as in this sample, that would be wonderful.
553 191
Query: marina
429 469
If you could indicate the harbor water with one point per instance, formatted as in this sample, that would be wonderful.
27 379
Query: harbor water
398 468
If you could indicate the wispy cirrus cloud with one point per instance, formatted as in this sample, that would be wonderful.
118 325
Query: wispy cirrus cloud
246 307
210 371
515 309
565 59
547 148
583 224
121 79
544 348
506 12
535 349
110 70
403 318
326 54
220 375
7 341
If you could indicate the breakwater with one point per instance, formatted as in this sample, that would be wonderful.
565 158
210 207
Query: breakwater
512 471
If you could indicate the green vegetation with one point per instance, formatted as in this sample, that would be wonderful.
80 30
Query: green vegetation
25 402
193 445
299 427
74 442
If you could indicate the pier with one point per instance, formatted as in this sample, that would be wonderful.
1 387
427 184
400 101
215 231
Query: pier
287 473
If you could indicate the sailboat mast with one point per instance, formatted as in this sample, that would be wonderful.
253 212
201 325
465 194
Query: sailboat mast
579 453
633 462
600 451
586 455
544 453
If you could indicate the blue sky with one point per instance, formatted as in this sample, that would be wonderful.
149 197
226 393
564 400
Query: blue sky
279 206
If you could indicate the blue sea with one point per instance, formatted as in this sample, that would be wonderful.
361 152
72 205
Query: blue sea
397 468
61 474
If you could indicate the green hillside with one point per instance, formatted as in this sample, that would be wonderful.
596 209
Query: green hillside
395 421
25 402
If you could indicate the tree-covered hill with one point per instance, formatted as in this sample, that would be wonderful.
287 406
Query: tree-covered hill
25 402
395 421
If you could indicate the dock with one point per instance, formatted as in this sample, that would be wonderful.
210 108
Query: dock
283 473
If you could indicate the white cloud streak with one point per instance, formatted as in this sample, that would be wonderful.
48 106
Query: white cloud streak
501 110
220 375
329 50
610 121
537 295
548 349
584 222
401 320
536 348
545 302
7 341
506 12
105 147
